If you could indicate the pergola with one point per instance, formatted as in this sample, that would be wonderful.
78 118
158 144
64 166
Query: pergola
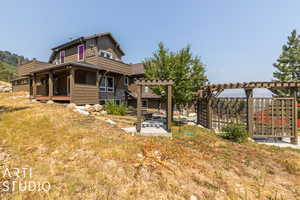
262 114
143 82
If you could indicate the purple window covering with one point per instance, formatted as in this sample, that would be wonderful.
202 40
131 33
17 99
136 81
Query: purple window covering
80 52
62 56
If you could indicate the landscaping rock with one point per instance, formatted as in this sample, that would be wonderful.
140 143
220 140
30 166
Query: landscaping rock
34 101
194 197
111 122
192 115
98 107
50 102
71 105
81 111
103 112
90 109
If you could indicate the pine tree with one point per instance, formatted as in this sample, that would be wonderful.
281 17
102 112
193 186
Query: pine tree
288 63
186 70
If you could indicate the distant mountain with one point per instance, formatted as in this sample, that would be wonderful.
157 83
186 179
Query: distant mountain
8 64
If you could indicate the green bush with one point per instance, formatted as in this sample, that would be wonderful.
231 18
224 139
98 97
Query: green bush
115 109
235 132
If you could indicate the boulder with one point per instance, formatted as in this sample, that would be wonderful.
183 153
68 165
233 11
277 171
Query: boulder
98 107
71 105
192 115
103 112
90 109
50 102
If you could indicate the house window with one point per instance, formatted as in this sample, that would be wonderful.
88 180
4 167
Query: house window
106 54
126 81
85 77
80 50
117 101
103 85
62 57
107 84
110 84
146 89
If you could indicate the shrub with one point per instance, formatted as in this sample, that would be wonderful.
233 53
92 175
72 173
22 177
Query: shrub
115 109
235 132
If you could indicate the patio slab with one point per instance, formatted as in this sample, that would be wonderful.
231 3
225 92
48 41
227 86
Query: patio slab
285 142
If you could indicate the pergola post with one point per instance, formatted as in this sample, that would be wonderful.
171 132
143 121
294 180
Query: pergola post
249 95
50 83
139 111
294 140
209 111
169 108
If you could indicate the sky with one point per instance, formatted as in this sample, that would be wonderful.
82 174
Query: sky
238 41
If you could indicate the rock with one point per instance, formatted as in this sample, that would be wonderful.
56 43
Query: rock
81 111
139 155
34 101
250 139
111 122
90 109
71 105
50 102
98 107
192 114
194 197
87 106
103 112
191 123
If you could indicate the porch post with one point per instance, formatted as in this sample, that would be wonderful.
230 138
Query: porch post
294 140
169 108
98 85
34 86
50 82
139 112
72 75
249 94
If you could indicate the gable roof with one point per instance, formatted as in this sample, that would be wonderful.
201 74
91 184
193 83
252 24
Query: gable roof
82 39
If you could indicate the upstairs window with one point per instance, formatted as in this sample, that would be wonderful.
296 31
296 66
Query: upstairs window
146 89
62 57
80 50
85 77
106 54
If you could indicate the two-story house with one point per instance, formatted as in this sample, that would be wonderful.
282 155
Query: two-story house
86 70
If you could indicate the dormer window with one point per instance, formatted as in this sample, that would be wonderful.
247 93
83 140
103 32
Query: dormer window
105 54
80 51
62 57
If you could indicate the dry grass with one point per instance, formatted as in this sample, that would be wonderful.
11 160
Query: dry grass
85 158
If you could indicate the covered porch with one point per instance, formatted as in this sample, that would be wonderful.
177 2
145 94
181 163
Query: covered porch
68 82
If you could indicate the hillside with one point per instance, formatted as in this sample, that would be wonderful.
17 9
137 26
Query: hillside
86 158
8 64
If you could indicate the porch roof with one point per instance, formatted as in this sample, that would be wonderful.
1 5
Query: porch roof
65 65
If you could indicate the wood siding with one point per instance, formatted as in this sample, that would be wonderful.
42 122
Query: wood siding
85 94
26 68
109 65
20 88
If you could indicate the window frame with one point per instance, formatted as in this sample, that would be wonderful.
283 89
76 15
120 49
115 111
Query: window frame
106 88
78 55
113 84
106 52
